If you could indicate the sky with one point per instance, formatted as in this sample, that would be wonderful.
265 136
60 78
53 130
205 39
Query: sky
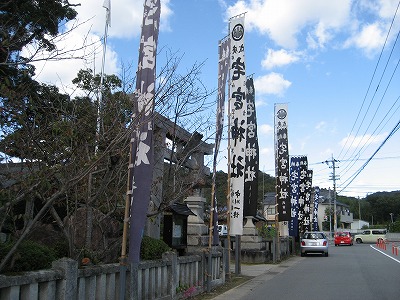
333 62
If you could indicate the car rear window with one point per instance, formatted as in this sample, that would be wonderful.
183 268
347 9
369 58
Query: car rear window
313 235
343 234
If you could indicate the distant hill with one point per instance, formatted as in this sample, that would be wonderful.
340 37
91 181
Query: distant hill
376 208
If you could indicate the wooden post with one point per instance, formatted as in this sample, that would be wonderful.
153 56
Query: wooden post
237 255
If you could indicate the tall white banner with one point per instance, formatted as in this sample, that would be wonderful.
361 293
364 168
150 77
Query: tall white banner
237 124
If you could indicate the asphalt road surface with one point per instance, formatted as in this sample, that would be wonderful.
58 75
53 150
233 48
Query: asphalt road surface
361 271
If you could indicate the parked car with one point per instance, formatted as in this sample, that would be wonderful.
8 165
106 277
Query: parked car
343 238
314 242
370 236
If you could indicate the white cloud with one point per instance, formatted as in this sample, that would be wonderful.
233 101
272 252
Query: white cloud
283 20
320 36
266 151
370 33
126 19
166 13
360 24
321 126
370 38
279 58
87 50
311 41
126 16
265 129
383 8
272 83
352 141
261 102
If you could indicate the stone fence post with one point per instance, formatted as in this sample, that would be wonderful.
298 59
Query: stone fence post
69 268
173 275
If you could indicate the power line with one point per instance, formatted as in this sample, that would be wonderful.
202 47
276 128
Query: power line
356 159
369 86
355 156
377 109
366 163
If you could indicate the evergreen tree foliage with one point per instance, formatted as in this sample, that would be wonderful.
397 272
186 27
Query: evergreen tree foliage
28 23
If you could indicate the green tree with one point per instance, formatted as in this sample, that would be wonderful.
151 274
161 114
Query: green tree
55 136
329 218
23 23
395 226
66 172
383 204
266 184
67 164
357 207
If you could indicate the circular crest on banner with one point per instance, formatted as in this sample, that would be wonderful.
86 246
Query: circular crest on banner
238 32
281 114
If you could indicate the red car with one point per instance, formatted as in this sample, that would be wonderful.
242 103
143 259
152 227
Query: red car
343 238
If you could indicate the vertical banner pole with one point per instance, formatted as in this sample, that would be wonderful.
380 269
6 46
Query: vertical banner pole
307 205
238 123
282 171
294 195
302 192
315 211
228 190
238 268
223 67
252 154
141 151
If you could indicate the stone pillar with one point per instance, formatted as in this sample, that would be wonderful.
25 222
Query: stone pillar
250 237
253 249
197 231
173 276
284 228
69 286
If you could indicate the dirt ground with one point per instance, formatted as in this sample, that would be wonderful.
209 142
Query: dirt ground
234 281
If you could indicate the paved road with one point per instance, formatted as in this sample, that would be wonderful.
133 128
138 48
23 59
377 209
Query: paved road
362 271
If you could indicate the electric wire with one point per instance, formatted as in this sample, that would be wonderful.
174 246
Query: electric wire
372 156
369 86
372 99
355 156
376 131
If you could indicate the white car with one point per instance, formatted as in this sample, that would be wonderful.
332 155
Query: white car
370 236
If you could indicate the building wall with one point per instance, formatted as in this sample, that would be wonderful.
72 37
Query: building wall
269 213
342 211
358 224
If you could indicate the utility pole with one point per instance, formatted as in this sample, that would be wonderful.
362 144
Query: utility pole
330 214
332 164
359 213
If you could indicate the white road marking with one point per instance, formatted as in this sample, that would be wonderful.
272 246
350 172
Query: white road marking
396 260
